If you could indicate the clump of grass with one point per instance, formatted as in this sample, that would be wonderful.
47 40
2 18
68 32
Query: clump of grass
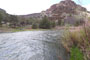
80 39
76 54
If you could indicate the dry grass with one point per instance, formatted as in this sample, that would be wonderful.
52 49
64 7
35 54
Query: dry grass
79 38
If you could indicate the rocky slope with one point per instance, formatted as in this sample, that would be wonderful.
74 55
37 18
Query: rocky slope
66 6
66 10
34 15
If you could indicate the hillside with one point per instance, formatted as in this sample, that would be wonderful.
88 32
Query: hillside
64 12
34 15
67 6
67 10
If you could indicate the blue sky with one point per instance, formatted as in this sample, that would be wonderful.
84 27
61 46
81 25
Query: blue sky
83 2
20 7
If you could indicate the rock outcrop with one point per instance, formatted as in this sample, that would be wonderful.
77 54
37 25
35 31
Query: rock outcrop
63 9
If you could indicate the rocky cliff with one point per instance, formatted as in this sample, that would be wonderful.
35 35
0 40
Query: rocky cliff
63 9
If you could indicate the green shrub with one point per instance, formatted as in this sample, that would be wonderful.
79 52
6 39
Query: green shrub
53 24
45 23
1 17
34 26
79 22
59 22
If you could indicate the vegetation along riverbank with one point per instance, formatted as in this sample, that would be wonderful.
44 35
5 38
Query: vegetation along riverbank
77 43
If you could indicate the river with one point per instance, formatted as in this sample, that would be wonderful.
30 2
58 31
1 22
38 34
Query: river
32 45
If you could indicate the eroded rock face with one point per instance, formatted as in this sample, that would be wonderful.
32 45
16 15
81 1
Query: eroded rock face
63 9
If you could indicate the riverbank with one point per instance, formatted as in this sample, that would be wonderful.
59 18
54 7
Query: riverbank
77 40
6 30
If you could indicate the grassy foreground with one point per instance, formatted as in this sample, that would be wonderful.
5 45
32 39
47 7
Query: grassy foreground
77 43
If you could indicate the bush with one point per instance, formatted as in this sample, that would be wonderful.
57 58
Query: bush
53 24
80 22
1 17
59 22
34 26
45 23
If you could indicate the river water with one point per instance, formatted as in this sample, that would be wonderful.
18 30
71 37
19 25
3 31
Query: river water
32 45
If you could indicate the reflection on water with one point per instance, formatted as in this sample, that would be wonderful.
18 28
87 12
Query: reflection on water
32 45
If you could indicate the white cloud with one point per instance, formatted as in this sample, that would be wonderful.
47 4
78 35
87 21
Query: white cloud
87 7
24 6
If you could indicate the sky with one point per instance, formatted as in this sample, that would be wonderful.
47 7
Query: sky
22 7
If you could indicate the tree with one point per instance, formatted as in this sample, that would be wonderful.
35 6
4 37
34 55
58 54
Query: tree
1 17
59 22
34 26
13 21
45 23
53 24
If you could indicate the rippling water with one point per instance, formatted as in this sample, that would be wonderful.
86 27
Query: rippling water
32 45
